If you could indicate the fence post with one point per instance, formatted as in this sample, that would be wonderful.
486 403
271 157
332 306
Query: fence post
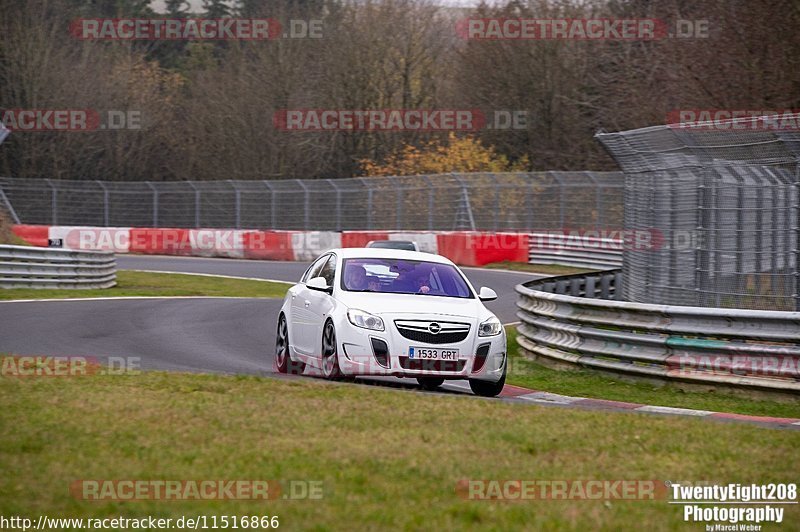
561 214
105 202
332 183
237 203
496 210
196 204
9 207
597 201
155 203
797 235
306 203
529 204
272 215
53 203
399 203
430 201
369 203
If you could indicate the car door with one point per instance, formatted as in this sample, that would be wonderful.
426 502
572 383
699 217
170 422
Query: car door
320 305
300 320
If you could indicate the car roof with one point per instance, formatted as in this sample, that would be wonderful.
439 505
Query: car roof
384 253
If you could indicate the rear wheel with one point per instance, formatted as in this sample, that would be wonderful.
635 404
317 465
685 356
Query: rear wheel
283 360
430 383
330 355
487 389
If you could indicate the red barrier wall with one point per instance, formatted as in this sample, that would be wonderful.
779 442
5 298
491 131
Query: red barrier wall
160 241
268 245
33 234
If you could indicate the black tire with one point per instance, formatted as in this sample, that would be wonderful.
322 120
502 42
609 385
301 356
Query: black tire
283 360
488 389
430 383
330 353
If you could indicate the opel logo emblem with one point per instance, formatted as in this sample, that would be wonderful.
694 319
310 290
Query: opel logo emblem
434 328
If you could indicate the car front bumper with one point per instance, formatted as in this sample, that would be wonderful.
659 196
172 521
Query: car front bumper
387 353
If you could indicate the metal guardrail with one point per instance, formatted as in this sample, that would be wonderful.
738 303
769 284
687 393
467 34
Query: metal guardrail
575 320
30 267
586 252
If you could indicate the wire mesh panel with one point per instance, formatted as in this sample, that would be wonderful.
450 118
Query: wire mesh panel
722 199
443 202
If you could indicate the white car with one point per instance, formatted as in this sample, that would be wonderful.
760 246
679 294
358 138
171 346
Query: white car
388 312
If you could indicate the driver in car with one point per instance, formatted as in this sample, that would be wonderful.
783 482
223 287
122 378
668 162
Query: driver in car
422 285
356 278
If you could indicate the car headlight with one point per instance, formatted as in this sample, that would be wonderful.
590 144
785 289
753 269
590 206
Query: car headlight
365 320
490 327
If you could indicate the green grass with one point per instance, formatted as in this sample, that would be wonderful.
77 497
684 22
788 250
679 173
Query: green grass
544 269
585 383
160 284
387 459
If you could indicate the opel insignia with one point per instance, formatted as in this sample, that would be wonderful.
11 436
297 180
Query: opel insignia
360 312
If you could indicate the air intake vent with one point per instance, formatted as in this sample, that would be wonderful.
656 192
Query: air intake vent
433 332
381 352
480 357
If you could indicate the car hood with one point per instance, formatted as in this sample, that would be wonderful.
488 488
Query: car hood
377 303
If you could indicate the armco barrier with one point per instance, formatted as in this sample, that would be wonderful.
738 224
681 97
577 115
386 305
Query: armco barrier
575 320
30 267
580 252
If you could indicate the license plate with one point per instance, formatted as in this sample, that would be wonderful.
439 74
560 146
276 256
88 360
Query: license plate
427 353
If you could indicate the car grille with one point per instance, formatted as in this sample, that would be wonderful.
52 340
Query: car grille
420 331
432 365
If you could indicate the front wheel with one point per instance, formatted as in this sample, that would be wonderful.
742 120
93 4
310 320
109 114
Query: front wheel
283 360
487 389
330 355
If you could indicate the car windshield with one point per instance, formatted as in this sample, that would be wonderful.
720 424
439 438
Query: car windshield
403 276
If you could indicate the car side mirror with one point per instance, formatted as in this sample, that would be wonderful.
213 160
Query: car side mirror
487 294
319 284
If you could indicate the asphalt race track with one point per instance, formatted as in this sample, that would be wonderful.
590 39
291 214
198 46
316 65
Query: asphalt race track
236 335
226 335
502 282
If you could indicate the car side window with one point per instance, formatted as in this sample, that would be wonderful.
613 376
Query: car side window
313 270
328 272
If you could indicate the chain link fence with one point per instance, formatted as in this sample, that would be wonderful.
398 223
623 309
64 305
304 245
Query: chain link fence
724 198
443 202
